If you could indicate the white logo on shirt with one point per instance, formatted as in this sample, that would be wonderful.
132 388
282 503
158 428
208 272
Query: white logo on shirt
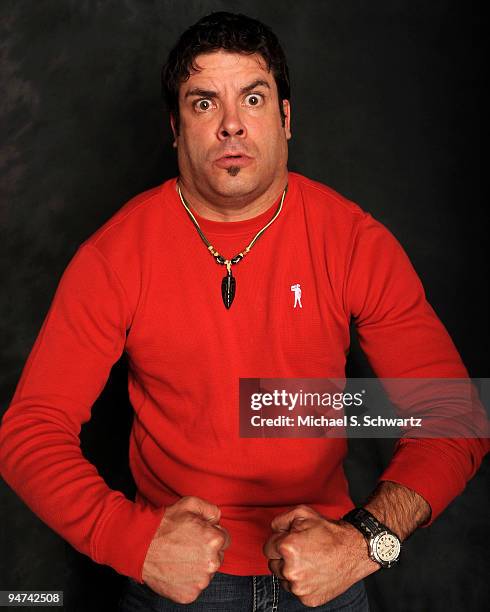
297 295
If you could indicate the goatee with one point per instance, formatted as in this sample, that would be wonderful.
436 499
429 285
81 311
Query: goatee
233 170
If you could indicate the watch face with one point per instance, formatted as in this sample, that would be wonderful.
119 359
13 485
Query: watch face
386 547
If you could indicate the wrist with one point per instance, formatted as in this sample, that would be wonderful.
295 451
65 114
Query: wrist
359 550
383 544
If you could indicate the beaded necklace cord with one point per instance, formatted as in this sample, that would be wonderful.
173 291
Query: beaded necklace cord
228 284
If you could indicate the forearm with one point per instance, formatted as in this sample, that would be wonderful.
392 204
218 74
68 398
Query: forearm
41 460
82 336
401 509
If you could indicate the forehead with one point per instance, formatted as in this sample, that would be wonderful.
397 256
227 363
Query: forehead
223 68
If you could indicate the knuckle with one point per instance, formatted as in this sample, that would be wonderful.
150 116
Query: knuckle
283 549
202 584
216 539
222 535
189 500
310 602
305 509
300 591
188 598
287 547
213 542
291 576
213 566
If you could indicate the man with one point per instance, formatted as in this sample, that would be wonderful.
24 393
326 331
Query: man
193 279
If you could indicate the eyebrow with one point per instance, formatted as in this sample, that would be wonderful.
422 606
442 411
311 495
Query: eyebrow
257 83
209 93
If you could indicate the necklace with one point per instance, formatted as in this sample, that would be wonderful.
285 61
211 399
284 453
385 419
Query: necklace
228 284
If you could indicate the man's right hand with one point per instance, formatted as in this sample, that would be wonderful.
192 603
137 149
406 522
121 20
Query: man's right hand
186 550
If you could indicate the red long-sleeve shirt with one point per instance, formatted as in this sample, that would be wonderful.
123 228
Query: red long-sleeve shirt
144 283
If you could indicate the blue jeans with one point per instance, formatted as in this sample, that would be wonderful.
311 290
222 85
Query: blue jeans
227 593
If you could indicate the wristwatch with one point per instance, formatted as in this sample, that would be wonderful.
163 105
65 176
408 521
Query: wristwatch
384 545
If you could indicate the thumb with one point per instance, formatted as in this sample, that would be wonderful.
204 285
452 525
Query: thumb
283 522
206 510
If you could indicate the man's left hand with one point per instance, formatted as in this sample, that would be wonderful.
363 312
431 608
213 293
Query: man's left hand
316 558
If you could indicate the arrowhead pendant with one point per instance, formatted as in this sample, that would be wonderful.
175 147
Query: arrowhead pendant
228 286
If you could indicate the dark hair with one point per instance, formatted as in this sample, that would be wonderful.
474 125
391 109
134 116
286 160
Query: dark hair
232 32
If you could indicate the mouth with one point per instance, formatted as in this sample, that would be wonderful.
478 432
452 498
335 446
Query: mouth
235 159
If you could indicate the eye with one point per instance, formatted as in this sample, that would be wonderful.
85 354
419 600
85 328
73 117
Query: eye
254 99
203 105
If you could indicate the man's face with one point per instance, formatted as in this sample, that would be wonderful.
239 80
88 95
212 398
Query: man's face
231 141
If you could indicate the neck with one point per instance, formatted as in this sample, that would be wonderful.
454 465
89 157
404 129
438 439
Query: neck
232 208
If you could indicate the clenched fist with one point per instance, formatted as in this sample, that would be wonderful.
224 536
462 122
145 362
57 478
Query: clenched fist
186 550
316 558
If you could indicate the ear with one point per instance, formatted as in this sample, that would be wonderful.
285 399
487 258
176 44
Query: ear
287 120
174 131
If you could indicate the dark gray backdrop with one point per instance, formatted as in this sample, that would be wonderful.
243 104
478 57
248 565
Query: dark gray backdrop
385 109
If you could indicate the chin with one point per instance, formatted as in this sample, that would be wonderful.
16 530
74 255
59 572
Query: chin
237 185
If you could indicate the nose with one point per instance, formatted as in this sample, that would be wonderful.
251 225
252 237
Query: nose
231 124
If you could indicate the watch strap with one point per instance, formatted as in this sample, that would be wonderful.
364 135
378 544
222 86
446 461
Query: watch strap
365 522
370 528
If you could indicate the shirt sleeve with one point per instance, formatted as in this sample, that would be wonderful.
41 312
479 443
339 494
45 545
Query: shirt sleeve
402 337
82 336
